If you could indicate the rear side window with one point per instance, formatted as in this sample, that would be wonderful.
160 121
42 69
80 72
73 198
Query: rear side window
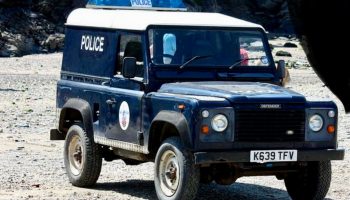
130 45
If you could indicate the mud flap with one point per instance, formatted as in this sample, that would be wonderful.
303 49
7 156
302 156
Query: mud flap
56 135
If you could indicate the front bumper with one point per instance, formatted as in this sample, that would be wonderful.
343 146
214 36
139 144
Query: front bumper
202 158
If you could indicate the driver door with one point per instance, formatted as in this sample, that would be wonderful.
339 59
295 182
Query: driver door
124 100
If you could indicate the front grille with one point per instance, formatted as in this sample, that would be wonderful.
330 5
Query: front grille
269 125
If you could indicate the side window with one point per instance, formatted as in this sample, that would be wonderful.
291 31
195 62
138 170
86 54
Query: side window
163 47
130 46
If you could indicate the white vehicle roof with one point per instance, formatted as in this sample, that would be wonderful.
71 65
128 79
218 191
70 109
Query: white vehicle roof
140 19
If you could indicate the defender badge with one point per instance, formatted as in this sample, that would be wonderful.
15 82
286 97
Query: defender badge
270 106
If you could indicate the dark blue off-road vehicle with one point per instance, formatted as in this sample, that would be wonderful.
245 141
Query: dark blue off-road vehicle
197 93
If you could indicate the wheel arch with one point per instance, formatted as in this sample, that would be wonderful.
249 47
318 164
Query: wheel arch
76 110
167 124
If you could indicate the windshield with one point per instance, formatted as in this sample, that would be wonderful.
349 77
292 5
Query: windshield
218 48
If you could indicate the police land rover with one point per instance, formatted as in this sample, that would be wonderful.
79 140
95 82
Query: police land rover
198 94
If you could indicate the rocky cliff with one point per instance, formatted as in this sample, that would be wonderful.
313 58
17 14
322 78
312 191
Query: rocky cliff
37 26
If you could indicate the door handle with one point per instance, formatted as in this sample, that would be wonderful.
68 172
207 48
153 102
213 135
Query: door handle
111 101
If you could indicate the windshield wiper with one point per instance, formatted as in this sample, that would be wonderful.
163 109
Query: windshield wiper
193 59
242 60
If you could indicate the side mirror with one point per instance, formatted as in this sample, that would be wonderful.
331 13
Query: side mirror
281 69
129 67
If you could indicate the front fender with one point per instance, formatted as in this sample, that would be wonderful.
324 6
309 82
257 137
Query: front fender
179 121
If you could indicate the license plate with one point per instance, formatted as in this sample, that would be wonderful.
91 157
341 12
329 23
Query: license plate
273 156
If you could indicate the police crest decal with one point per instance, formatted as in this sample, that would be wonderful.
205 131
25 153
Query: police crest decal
124 115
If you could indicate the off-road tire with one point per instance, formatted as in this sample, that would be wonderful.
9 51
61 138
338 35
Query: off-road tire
189 173
311 183
91 167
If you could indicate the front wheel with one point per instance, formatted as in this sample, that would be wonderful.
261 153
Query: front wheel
310 183
82 157
176 176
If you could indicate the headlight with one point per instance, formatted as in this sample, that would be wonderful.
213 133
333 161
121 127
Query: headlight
316 123
219 123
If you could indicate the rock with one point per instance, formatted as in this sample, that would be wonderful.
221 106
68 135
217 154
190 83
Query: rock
58 10
299 64
269 4
29 111
55 42
20 148
9 51
284 21
283 38
24 125
34 15
283 53
28 27
296 65
13 3
290 45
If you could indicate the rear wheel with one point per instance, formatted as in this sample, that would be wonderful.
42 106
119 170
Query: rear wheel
82 158
311 183
176 176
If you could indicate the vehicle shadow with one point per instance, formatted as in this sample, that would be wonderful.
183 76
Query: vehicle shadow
137 188
238 191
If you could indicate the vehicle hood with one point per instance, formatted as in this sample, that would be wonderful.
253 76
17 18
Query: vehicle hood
235 92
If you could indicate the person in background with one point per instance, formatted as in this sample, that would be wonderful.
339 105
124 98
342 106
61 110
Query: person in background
245 56
169 47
